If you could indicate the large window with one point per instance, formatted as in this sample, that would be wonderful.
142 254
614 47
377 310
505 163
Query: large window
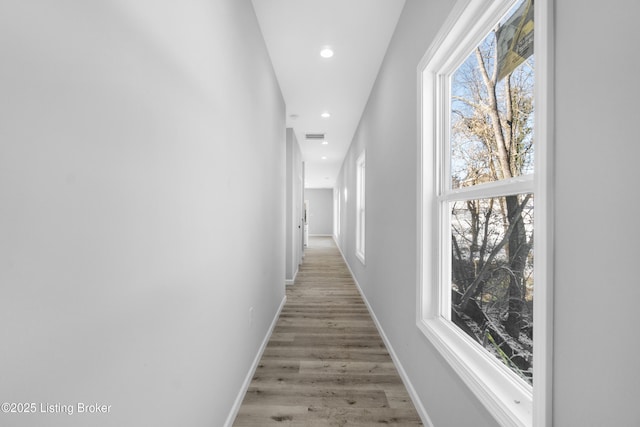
360 207
484 167
490 141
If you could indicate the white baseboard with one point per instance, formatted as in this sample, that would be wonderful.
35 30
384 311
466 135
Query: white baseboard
320 235
288 282
252 370
422 412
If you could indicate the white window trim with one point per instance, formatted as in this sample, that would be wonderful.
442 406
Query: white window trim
509 399
360 206
336 212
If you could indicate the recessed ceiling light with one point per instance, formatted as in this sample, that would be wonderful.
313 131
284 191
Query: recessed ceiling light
325 115
325 142
326 52
324 157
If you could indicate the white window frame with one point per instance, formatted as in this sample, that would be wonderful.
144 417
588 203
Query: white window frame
336 212
508 398
360 206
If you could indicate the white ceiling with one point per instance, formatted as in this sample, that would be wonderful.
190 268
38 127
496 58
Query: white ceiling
295 31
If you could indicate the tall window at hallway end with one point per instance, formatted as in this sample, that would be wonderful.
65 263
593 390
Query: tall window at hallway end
360 207
481 174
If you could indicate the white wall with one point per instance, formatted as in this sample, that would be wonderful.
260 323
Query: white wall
138 142
320 210
294 207
597 211
597 289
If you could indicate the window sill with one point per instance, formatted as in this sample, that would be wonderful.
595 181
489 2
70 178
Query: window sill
508 398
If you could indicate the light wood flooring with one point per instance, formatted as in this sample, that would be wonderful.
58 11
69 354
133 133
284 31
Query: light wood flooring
325 364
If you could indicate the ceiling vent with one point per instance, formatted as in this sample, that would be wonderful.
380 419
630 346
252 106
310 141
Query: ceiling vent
314 136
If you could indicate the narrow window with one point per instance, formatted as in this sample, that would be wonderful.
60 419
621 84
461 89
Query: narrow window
360 207
482 174
336 212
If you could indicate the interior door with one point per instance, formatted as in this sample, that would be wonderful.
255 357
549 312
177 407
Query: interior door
306 223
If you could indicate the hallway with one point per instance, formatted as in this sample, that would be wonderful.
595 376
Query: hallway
155 159
325 364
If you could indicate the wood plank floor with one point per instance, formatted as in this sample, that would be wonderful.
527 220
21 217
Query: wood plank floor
325 364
